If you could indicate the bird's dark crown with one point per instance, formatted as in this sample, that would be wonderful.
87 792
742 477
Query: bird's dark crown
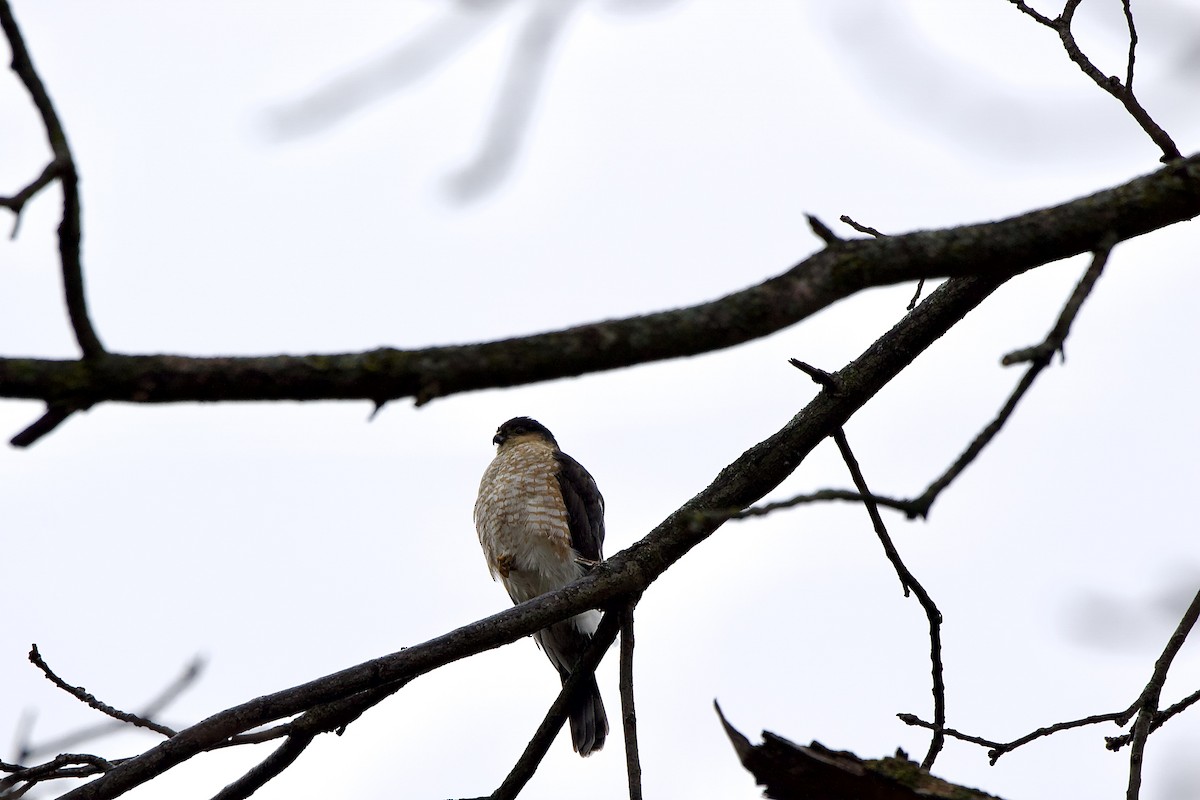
521 426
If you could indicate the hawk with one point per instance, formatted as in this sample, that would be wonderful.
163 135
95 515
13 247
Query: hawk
540 520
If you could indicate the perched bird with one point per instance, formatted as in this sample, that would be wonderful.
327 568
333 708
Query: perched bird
540 520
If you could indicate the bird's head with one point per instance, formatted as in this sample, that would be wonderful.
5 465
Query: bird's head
522 428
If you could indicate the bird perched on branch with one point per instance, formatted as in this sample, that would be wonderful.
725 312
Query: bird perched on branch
540 520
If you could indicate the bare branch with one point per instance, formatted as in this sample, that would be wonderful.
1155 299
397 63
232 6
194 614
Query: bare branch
82 695
1127 6
997 749
909 582
1021 6
861 228
544 736
1147 704
279 760
1042 353
331 102
823 496
66 765
1040 356
517 99
1111 84
822 230
1145 707
878 234
820 377
16 203
633 765
993 249
71 740
56 414
69 230
1115 743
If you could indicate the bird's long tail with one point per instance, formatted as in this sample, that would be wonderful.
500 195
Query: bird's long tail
589 724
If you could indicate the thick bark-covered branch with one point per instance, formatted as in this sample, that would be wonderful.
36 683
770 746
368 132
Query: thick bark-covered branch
1007 247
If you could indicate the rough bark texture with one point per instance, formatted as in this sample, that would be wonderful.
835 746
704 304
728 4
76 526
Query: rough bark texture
1003 248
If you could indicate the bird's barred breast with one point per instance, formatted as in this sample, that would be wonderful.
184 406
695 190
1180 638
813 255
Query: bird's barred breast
522 522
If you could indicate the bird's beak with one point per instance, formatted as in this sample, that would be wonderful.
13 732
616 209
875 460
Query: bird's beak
497 439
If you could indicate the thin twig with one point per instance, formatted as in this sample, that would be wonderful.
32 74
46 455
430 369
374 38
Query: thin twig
280 759
82 695
1110 84
916 295
55 415
1055 340
1038 355
1133 40
880 235
152 708
1145 707
825 380
1049 23
517 99
822 231
1094 719
1148 703
61 766
16 203
69 230
997 749
917 722
258 737
544 736
860 227
1115 743
909 582
820 496
633 764
300 732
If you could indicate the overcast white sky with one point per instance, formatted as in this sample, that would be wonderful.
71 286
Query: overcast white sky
673 152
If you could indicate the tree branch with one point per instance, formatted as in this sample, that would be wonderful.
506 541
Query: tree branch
56 414
1003 248
16 203
909 582
82 695
1145 707
69 230
633 764
280 759
65 765
69 741
1111 84
1040 355
556 715
1147 704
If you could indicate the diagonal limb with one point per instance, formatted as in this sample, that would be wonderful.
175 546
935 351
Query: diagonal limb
909 582
1039 357
539 745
